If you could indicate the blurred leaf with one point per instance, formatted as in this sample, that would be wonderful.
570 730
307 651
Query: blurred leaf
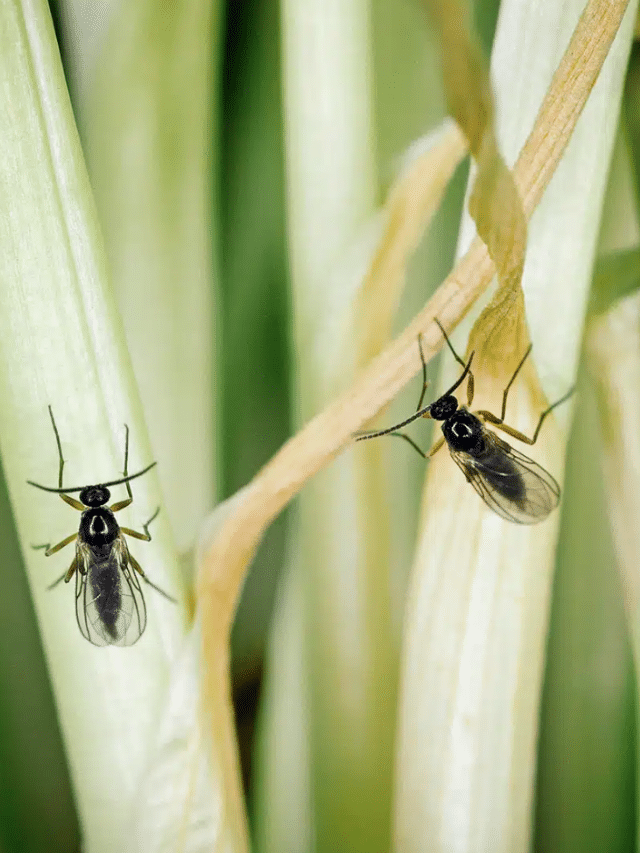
632 110
255 373
37 812
586 763
150 150
615 276
477 612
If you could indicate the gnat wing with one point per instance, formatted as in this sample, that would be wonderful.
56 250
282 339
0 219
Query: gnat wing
110 607
512 485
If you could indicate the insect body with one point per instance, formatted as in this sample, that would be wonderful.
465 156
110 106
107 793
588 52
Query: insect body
511 484
110 606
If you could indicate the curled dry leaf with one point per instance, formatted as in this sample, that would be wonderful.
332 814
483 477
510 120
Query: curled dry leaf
499 336
613 348
224 565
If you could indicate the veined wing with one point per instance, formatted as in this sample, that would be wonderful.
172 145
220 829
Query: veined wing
110 606
512 485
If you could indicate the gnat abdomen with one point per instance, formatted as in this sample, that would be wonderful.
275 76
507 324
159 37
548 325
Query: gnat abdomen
500 472
104 580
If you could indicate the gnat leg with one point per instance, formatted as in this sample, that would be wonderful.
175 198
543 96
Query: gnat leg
52 550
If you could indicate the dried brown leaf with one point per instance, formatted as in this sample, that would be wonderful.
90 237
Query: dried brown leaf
224 565
499 336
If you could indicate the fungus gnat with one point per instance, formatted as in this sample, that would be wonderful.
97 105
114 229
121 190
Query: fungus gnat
110 606
511 484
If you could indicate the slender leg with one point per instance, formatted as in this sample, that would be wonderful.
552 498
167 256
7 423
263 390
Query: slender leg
424 373
73 502
449 344
66 498
470 381
499 424
126 461
55 583
52 550
60 457
495 420
49 549
506 390
136 565
146 536
409 441
436 447
116 507
424 413
471 387
66 577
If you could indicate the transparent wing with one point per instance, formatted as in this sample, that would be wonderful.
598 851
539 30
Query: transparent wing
512 485
110 606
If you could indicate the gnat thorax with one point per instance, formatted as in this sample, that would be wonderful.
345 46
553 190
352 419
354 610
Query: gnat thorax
464 432
98 527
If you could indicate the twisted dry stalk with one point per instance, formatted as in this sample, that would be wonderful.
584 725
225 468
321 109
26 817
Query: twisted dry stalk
225 562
